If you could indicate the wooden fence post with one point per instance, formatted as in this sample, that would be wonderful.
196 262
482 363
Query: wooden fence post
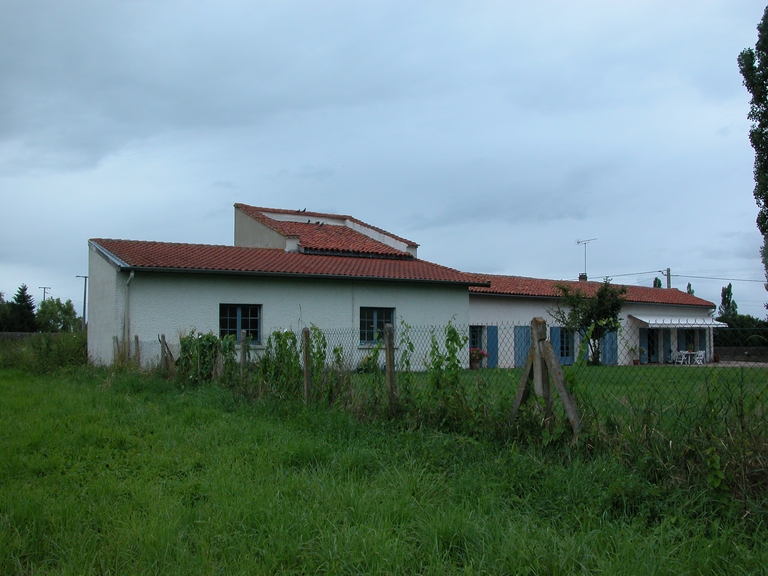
541 364
389 355
163 355
307 368
540 372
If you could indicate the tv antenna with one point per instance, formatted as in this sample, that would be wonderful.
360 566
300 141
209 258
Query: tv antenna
585 242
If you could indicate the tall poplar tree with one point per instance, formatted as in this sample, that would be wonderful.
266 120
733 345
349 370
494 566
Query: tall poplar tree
753 65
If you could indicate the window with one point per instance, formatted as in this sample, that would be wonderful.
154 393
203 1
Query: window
236 317
476 337
566 343
372 321
690 339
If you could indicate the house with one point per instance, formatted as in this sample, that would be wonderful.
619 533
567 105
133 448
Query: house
655 322
286 269
289 269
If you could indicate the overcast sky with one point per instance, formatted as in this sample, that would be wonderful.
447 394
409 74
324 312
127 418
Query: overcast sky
494 134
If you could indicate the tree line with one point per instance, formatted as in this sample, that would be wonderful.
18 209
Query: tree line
744 330
52 315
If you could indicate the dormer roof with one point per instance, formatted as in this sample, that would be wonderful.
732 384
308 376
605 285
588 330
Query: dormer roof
317 233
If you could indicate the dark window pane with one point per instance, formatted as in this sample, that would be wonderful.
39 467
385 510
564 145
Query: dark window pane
236 317
372 322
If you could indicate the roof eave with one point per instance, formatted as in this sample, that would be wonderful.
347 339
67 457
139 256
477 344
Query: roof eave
113 260
626 301
167 270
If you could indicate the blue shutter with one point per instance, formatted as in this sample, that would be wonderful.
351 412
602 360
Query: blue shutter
644 345
522 344
492 337
609 349
703 339
667 344
554 338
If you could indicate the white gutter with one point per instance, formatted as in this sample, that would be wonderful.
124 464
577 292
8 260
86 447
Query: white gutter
126 315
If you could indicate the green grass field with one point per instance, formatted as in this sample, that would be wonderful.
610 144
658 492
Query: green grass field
124 473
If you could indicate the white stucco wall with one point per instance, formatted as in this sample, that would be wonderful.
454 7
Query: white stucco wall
105 308
485 310
174 304
252 233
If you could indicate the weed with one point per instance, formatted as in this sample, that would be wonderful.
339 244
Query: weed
280 365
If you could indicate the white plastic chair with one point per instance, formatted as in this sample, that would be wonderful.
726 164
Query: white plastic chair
699 358
678 357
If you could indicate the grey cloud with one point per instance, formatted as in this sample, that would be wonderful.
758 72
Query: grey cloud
91 76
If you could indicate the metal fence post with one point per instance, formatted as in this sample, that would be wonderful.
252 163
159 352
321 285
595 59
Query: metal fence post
389 355
307 368
243 353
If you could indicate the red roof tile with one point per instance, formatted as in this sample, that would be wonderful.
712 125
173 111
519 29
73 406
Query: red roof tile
521 286
166 256
327 237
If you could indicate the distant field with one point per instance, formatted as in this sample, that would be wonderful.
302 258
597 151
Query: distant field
110 473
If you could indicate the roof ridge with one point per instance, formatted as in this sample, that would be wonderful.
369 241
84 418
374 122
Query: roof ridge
194 244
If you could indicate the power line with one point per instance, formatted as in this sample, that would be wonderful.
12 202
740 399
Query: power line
717 278
682 276
631 274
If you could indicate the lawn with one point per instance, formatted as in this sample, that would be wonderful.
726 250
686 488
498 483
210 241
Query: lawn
125 473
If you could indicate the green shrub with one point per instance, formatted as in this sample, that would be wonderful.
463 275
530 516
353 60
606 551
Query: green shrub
199 358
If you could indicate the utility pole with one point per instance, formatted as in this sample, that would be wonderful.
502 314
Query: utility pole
585 242
44 289
85 292
668 274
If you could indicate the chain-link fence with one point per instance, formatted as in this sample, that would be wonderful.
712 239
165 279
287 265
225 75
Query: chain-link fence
466 377
675 364
657 393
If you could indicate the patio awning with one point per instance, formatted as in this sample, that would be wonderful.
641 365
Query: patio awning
666 322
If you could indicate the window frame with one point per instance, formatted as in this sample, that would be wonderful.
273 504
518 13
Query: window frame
477 337
239 318
374 325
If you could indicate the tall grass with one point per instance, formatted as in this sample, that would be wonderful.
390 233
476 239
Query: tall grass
703 427
42 353
122 473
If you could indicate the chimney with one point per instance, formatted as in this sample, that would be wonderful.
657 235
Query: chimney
582 276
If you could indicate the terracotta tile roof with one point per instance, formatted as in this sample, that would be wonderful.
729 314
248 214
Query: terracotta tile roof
327 238
173 257
521 286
